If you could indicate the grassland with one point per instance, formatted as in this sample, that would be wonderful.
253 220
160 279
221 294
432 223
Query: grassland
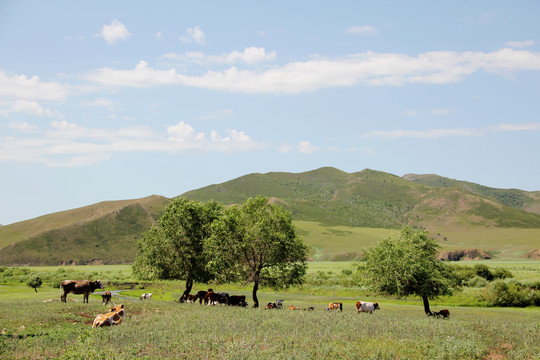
33 328
159 329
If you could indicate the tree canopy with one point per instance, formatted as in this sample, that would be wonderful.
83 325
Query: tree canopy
256 243
173 249
408 266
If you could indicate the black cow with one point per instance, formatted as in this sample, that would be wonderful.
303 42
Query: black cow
444 313
85 287
237 300
217 298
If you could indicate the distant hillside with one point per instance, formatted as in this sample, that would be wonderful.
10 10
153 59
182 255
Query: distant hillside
108 234
329 204
370 199
519 199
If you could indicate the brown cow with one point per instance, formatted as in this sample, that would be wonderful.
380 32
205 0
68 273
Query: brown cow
106 297
335 306
85 287
111 318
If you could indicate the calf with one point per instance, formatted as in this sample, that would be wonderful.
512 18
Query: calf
114 317
444 313
334 306
85 287
106 297
190 298
276 305
146 296
368 307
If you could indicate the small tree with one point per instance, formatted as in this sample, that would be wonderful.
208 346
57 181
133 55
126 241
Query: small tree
407 266
257 243
173 250
34 282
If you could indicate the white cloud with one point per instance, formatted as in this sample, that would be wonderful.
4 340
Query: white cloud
442 111
285 148
21 87
194 34
114 32
216 114
410 112
23 127
27 107
66 144
101 102
362 30
365 69
305 147
519 44
250 56
458 132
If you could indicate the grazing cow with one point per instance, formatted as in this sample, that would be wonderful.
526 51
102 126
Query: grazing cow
146 296
85 287
114 317
106 297
334 306
200 295
217 298
190 298
368 307
237 300
444 313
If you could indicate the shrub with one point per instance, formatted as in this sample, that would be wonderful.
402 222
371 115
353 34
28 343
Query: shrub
483 271
501 293
477 282
502 273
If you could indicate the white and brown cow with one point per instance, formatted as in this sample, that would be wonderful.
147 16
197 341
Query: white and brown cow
114 317
368 307
85 287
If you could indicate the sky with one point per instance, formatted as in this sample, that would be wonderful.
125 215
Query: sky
103 100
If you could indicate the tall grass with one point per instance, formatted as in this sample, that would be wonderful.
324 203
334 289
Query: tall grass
168 330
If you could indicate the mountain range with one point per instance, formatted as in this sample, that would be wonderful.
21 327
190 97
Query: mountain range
331 208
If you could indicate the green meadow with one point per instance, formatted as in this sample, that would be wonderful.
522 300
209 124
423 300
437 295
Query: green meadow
35 325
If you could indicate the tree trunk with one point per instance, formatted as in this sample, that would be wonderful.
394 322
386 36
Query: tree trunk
189 286
255 288
426 306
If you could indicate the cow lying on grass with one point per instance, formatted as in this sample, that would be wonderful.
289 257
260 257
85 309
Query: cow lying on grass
146 296
85 287
111 318
334 306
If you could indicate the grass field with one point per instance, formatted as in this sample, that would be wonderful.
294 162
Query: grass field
33 327
167 330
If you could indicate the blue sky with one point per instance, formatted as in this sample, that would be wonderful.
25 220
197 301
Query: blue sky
105 100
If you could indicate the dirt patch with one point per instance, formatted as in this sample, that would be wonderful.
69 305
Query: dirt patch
535 254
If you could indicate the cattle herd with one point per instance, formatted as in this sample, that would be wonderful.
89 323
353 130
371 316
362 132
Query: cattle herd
117 313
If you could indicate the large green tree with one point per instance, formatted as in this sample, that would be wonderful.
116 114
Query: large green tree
257 243
408 265
173 249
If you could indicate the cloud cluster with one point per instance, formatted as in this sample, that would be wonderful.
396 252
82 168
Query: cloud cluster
194 34
250 56
442 133
114 32
364 69
66 144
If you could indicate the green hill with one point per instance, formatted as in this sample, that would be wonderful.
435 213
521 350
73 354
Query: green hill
337 213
